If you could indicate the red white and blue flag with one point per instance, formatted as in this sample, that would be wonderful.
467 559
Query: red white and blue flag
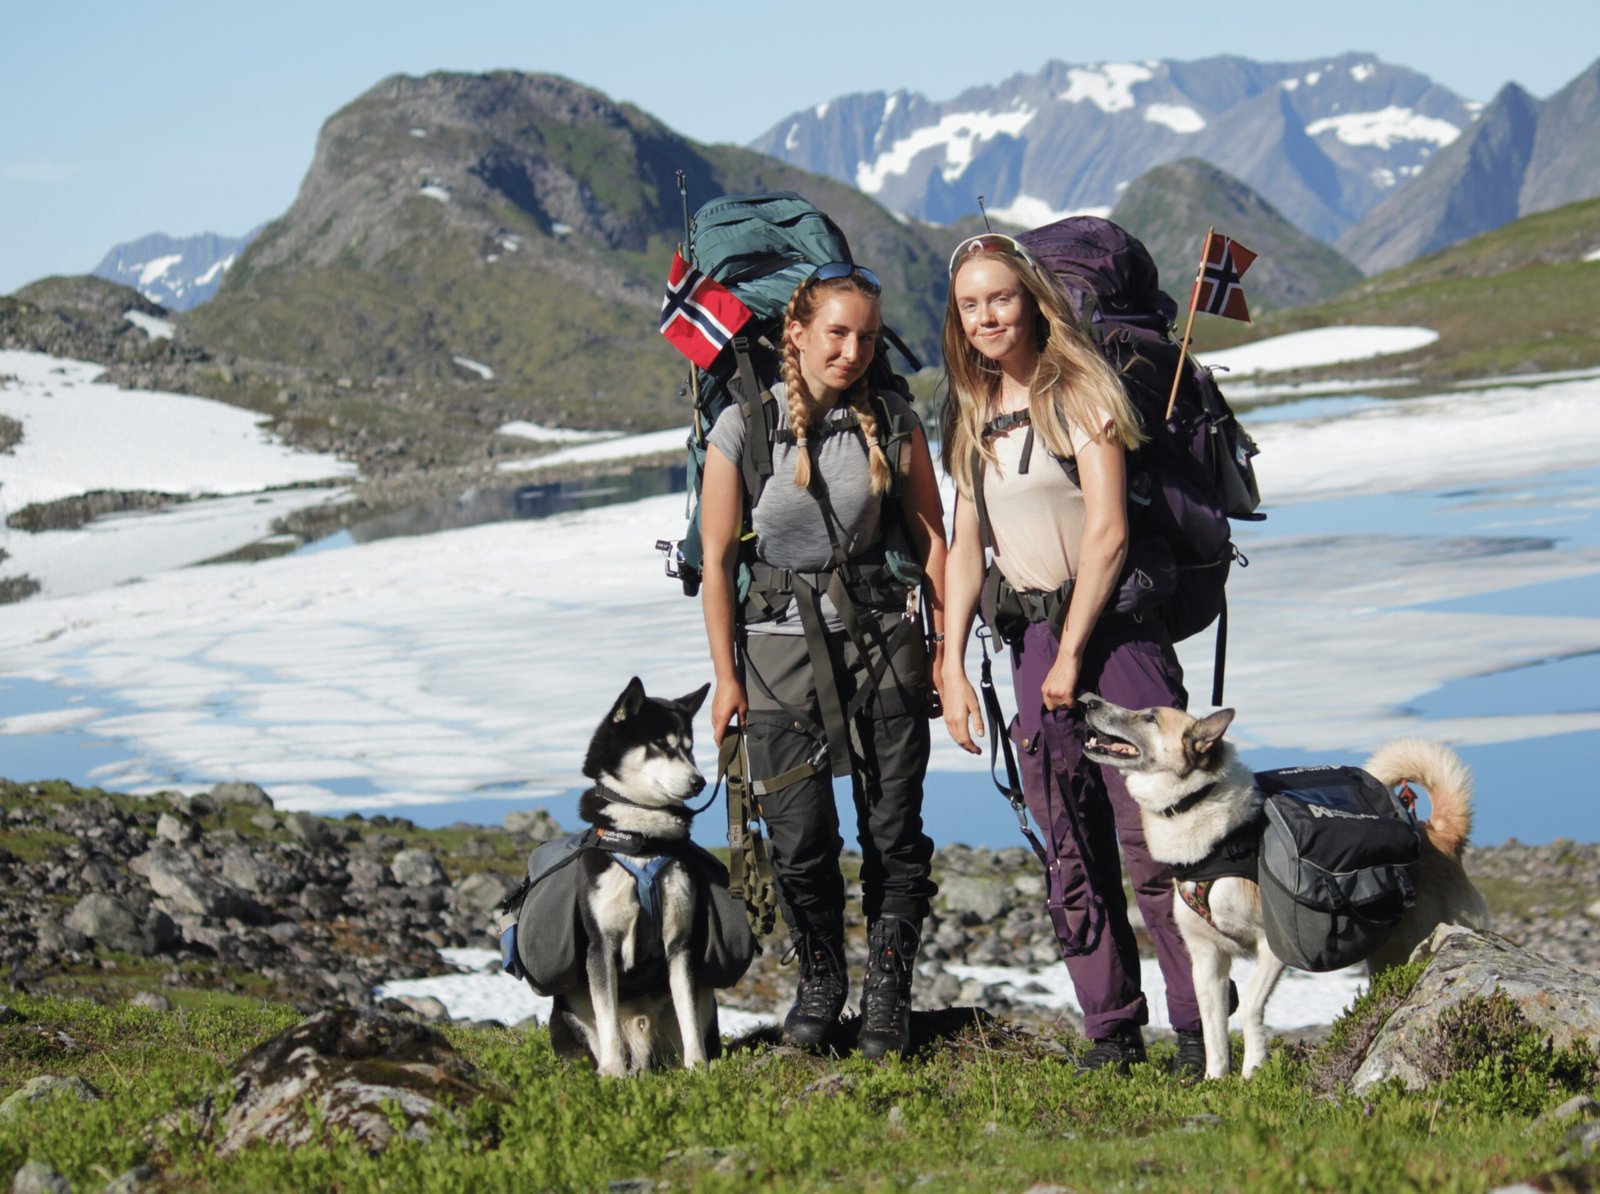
1219 287
699 315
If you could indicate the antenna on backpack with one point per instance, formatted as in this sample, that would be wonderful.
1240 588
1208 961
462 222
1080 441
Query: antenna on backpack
984 212
683 194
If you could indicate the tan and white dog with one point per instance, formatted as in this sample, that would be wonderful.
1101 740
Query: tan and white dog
1168 756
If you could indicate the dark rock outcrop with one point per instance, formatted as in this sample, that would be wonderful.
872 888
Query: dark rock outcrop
343 1070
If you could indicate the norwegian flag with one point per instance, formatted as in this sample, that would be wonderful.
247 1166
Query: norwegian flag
1219 287
699 315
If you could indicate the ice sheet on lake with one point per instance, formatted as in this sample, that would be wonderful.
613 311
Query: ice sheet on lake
473 663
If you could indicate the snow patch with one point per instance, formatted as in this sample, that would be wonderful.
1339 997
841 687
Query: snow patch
1290 84
822 110
1177 117
1362 71
522 429
958 134
1319 346
1026 211
419 132
154 327
628 447
434 191
1384 127
1108 86
792 141
1592 255
217 267
152 270
477 367
1302 1001
81 434
560 228
1313 78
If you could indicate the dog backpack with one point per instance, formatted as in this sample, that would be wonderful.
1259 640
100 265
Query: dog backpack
1193 473
1335 866
541 931
761 247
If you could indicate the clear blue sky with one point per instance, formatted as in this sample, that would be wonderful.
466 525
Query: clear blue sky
120 119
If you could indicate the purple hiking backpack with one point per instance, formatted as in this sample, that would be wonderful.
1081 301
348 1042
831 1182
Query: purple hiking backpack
1194 473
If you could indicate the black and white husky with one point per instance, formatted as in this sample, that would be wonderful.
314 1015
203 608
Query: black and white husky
641 1003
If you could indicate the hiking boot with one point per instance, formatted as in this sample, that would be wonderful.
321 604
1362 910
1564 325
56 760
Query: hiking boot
1190 1064
823 985
1120 1051
886 991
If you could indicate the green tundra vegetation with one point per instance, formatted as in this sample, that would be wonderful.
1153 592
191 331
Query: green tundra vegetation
988 1109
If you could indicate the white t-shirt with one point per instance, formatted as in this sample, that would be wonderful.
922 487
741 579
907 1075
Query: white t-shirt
1036 517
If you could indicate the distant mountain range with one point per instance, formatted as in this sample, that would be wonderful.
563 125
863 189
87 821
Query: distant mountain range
1521 157
1348 149
1323 141
177 272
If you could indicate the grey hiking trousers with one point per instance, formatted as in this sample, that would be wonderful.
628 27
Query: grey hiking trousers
888 723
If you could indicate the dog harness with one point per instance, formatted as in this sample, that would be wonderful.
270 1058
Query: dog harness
1236 856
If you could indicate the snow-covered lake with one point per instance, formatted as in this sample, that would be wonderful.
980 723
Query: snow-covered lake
1420 556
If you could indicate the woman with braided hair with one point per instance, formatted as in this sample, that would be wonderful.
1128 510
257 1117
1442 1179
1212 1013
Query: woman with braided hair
822 661
1035 433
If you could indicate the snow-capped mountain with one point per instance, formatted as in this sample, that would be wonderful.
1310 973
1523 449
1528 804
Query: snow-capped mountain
177 272
1324 141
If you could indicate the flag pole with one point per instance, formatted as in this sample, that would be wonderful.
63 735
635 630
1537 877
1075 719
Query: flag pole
1188 327
687 247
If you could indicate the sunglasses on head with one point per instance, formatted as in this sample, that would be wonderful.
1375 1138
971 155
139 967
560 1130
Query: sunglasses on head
835 270
989 242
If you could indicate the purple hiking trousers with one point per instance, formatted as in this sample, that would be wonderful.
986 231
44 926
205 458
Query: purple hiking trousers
1133 665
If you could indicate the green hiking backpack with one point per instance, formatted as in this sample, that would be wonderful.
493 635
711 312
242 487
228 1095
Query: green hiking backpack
761 247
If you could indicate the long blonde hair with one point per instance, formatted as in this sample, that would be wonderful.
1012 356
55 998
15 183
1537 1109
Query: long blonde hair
1071 381
802 309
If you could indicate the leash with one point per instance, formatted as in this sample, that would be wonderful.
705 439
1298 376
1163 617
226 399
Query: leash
1000 745
1073 942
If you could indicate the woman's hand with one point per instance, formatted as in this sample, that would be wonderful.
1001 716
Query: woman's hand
727 703
963 715
1060 687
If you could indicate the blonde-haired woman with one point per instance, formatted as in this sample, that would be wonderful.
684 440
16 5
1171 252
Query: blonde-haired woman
1035 431
822 662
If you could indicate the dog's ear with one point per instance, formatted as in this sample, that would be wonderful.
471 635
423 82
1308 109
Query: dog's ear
691 703
629 703
1207 732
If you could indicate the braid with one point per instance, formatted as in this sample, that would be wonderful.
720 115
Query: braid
877 460
794 384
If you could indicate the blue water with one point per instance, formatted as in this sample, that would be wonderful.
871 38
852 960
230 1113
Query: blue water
1533 790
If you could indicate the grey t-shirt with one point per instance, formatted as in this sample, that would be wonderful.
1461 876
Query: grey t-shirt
790 527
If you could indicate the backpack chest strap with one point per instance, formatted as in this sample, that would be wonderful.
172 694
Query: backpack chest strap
645 873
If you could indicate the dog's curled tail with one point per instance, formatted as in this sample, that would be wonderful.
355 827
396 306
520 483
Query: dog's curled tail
1446 777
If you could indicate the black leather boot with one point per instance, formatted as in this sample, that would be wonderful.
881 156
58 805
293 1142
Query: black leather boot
886 991
823 985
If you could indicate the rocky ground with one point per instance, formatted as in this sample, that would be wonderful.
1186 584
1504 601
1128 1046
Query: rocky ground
162 897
